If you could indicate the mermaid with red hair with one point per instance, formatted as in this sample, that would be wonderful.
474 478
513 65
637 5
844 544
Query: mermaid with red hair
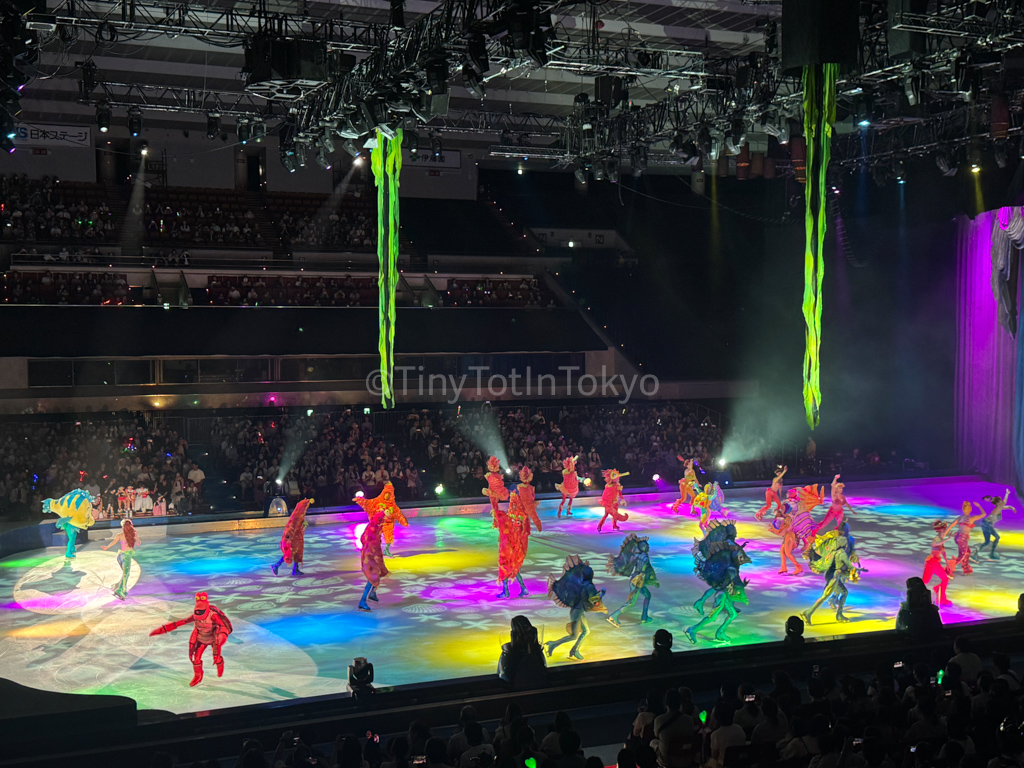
514 532
129 540
611 499
495 490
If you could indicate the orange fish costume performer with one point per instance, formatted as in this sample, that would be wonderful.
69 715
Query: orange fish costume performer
570 485
378 509
611 498
293 540
789 543
514 532
800 502
495 490
773 495
687 484
211 627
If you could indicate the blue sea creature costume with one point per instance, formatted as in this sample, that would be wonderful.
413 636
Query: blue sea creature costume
634 561
75 512
717 559
834 555
575 590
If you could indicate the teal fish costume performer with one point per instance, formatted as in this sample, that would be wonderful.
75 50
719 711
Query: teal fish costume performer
575 590
836 558
634 562
75 512
717 559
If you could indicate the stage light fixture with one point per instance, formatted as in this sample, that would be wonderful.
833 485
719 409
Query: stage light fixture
656 477
435 145
326 143
945 164
360 677
900 171
288 161
258 130
212 125
397 14
581 175
103 117
351 147
473 82
738 129
7 144
611 170
323 160
438 489
144 148
412 142
243 130
794 630
88 80
134 121
721 462
1001 154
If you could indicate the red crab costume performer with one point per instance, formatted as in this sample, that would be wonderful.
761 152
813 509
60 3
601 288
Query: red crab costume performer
773 495
495 490
688 486
514 532
611 498
570 485
379 509
835 512
293 540
211 627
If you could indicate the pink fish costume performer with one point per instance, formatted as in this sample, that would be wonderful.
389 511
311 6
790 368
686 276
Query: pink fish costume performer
964 525
773 495
937 563
611 498
211 627
687 485
372 554
835 512
570 485
495 490
129 540
293 540
514 532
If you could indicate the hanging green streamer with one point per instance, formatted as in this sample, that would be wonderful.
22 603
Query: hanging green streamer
819 116
386 162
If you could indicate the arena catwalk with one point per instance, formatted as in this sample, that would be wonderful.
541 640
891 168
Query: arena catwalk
438 613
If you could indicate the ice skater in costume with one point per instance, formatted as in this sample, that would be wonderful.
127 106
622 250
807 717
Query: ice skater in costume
211 627
514 532
372 554
988 525
835 511
937 564
688 486
392 515
838 563
495 490
709 500
634 562
575 590
611 499
800 502
773 495
783 526
129 540
75 512
570 485
964 525
717 559
293 540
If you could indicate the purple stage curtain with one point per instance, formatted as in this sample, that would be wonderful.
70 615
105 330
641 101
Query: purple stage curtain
986 361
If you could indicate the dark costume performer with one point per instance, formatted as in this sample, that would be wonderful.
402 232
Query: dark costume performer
773 495
575 590
570 485
372 554
211 627
634 562
835 558
495 490
937 564
293 540
964 525
687 484
611 499
988 525
717 559
514 532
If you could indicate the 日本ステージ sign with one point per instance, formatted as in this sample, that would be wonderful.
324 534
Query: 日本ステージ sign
32 135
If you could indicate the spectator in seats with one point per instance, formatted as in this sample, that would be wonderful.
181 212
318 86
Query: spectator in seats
673 732
549 745
969 662
522 659
509 722
749 715
196 476
349 754
925 724
571 756
625 759
398 753
1002 665
819 704
835 753
435 751
774 727
459 743
726 735
418 736
476 748
800 744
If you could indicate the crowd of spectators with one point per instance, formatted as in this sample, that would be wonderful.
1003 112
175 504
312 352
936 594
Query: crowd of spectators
42 211
299 291
906 717
63 255
345 228
200 225
497 292
40 460
20 287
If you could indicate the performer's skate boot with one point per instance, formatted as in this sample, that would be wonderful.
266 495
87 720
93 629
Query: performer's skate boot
645 619
296 571
387 551
550 647
560 507
362 602
806 616
119 596
675 506
523 591
613 619
198 678
568 510
690 635
218 661
373 595
276 565
504 590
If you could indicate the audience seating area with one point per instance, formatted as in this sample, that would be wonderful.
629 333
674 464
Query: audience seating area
307 222
269 290
199 216
49 210
488 292
68 288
